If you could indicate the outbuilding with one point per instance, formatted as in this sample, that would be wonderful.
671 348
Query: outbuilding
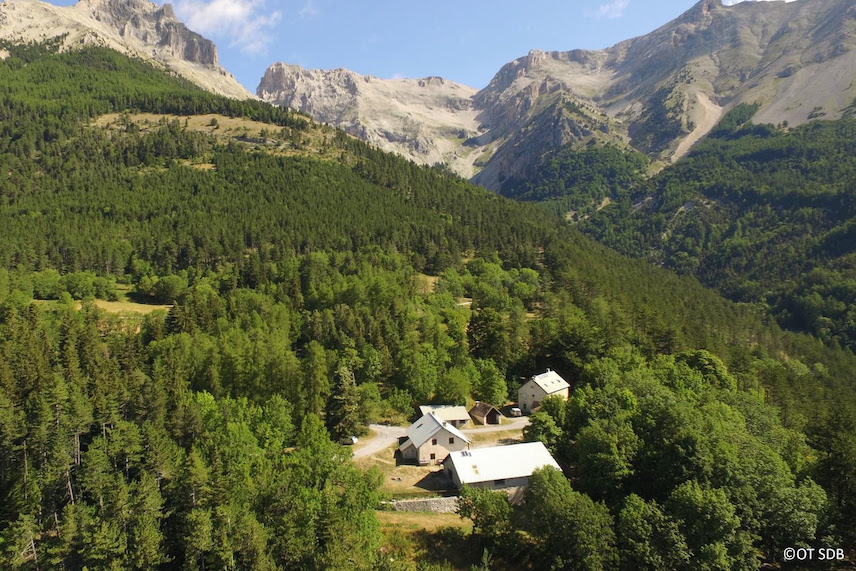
484 413
455 415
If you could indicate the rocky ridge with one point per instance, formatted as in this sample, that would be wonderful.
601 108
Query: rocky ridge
425 119
135 27
659 93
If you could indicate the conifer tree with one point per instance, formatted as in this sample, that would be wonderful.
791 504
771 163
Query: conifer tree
343 406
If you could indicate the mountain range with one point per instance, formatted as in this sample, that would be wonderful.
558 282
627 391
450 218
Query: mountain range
139 28
313 285
659 93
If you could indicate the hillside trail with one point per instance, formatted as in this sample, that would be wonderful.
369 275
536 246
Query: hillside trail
709 116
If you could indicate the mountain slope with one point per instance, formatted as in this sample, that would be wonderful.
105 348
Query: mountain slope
659 93
422 118
763 215
134 27
178 200
292 262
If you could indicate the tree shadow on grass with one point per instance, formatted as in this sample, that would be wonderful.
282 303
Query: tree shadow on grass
448 545
436 481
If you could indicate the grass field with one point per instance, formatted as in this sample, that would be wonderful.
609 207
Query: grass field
428 537
129 307
412 521
405 480
123 304
272 138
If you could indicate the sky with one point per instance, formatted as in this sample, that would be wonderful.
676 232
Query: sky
463 40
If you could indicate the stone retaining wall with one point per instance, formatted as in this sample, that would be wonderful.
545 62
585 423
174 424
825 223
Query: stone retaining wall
434 505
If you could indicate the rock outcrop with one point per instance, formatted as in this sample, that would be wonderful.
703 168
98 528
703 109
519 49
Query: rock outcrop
136 27
659 93
425 119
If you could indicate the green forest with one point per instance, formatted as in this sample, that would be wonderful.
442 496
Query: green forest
316 285
760 213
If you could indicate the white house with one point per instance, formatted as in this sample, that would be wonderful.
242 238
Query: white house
536 389
430 439
457 416
498 467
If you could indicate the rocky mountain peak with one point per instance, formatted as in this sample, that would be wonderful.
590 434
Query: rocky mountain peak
153 25
659 93
425 119
702 10
136 27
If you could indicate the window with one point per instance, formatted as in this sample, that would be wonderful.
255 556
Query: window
451 441
434 442
433 456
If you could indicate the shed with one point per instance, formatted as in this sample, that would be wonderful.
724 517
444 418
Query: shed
455 415
484 413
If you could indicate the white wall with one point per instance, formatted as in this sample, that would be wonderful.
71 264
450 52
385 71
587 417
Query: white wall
441 449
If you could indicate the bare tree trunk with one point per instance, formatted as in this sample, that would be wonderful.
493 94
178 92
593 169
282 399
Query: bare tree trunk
70 491
26 471
35 555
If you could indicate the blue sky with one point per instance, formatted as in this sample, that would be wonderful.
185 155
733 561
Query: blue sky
463 40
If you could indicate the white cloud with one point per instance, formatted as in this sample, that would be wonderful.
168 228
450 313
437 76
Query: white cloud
247 24
612 10
309 10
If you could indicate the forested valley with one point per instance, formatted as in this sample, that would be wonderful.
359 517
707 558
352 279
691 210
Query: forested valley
315 285
761 213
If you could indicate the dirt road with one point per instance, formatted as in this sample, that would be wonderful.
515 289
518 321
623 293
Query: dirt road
384 437
512 424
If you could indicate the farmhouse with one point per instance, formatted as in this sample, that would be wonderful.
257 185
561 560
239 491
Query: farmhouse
483 413
430 439
536 389
457 416
498 467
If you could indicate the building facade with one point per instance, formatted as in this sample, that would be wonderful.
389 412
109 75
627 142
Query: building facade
430 440
539 387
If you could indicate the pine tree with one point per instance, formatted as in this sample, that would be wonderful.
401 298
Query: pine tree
343 407
316 383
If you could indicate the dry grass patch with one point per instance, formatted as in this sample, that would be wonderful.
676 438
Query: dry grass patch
502 438
411 521
129 307
272 138
116 307
213 124
428 537
426 284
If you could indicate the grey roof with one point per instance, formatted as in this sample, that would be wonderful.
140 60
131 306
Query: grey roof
550 382
426 427
500 462
447 412
483 409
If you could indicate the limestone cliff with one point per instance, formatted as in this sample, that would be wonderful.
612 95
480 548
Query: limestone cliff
425 119
136 27
659 93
